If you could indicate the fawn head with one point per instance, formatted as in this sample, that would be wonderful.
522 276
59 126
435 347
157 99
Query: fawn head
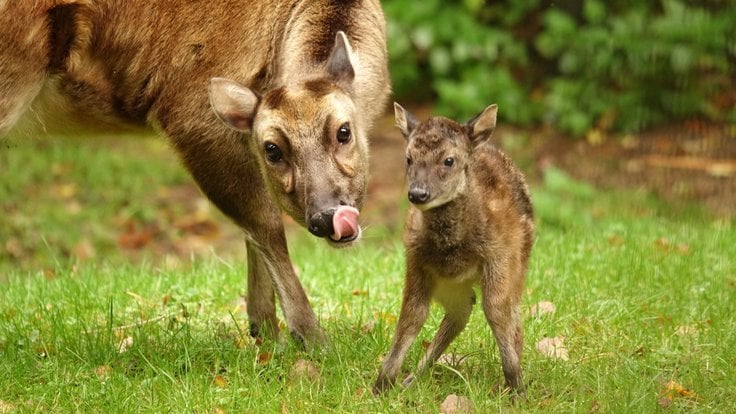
439 154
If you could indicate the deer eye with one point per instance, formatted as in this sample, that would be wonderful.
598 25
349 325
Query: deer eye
449 162
273 152
408 161
343 133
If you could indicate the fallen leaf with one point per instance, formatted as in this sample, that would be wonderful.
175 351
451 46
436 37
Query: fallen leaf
264 358
686 330
134 238
6 407
219 381
455 404
671 391
543 307
553 348
125 344
103 372
671 387
304 370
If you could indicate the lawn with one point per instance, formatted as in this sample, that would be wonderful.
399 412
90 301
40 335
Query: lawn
122 291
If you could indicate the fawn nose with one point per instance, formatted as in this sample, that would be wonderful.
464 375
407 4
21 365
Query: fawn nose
320 224
418 195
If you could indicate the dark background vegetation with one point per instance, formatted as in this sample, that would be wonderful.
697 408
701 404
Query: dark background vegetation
578 66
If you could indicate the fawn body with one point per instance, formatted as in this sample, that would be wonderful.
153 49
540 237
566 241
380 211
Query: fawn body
470 224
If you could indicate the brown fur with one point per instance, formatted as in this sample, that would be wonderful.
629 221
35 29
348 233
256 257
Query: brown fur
139 63
471 224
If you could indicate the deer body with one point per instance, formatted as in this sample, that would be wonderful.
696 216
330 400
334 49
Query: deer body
268 104
470 225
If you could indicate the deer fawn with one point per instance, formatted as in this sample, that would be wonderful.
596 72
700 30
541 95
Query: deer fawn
470 223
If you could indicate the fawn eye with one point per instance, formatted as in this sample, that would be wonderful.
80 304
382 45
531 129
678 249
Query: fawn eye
449 162
408 161
343 133
273 152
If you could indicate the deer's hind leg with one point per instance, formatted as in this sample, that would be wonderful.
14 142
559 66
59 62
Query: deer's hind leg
502 288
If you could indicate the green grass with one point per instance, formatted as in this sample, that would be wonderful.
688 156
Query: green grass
645 295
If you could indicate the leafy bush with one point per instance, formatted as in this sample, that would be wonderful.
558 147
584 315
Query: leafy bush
576 65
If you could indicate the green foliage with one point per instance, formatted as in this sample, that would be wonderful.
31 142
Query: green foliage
576 65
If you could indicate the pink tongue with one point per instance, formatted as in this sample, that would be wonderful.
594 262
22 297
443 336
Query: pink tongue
345 222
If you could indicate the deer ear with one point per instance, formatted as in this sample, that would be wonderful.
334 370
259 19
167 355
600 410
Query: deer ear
233 103
339 66
404 120
481 127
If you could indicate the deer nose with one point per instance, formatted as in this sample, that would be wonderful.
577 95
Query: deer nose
320 224
418 195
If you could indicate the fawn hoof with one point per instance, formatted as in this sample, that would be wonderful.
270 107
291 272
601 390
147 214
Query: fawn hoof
382 384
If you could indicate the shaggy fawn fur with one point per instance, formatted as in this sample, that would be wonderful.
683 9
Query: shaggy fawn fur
470 223
295 86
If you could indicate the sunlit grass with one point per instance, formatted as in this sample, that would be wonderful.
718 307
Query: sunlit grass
645 297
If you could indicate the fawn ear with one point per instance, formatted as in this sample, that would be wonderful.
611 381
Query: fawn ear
404 120
233 103
481 127
339 65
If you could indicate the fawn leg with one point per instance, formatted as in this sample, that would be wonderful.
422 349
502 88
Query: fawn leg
501 305
414 311
458 304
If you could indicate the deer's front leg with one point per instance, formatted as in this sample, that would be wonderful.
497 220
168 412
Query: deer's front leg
414 311
229 176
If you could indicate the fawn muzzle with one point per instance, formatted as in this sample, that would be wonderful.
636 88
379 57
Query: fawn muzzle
418 194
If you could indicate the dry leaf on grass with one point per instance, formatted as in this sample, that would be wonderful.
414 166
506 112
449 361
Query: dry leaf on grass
219 381
543 307
103 372
455 404
686 330
6 407
553 348
125 344
671 391
264 358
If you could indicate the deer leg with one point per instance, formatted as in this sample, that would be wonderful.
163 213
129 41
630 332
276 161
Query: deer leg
414 311
501 305
458 307
260 300
230 177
